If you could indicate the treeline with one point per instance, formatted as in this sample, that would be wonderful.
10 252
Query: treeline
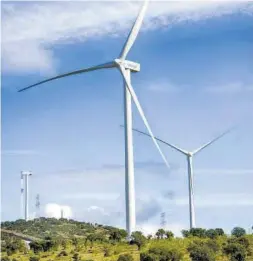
203 245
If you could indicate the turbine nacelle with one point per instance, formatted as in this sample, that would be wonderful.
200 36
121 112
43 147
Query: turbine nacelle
134 67
26 173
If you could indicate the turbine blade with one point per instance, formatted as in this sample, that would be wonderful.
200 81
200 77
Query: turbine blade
136 101
93 68
213 140
162 141
134 31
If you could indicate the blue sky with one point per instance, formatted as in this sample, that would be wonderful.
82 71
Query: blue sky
195 82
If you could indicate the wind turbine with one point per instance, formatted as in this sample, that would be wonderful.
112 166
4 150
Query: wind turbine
189 156
24 176
125 67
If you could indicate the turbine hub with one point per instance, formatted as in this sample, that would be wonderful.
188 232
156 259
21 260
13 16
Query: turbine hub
134 67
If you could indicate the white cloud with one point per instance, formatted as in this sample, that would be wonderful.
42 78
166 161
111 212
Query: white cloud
162 87
57 211
99 209
149 228
100 202
31 30
18 152
230 88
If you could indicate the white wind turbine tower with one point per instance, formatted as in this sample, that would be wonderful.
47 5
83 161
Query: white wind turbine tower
189 156
25 196
125 67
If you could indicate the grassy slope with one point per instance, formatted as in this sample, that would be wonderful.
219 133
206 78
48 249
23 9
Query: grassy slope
97 253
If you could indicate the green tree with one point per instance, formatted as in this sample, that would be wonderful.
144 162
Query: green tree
211 233
219 231
138 239
198 232
125 257
185 233
116 235
238 232
36 247
123 233
48 244
160 233
169 234
149 237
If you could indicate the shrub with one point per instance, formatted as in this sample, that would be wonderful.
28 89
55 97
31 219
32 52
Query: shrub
147 257
213 245
238 232
244 241
9 252
236 251
76 257
107 251
34 258
125 257
63 253
162 253
11 246
138 239
201 253
5 258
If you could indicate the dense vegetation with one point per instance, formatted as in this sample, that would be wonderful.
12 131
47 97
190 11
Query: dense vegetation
69 240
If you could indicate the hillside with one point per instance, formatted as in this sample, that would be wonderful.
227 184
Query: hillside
69 240
58 228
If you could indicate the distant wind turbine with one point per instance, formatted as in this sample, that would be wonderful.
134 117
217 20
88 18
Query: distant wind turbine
125 67
189 157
